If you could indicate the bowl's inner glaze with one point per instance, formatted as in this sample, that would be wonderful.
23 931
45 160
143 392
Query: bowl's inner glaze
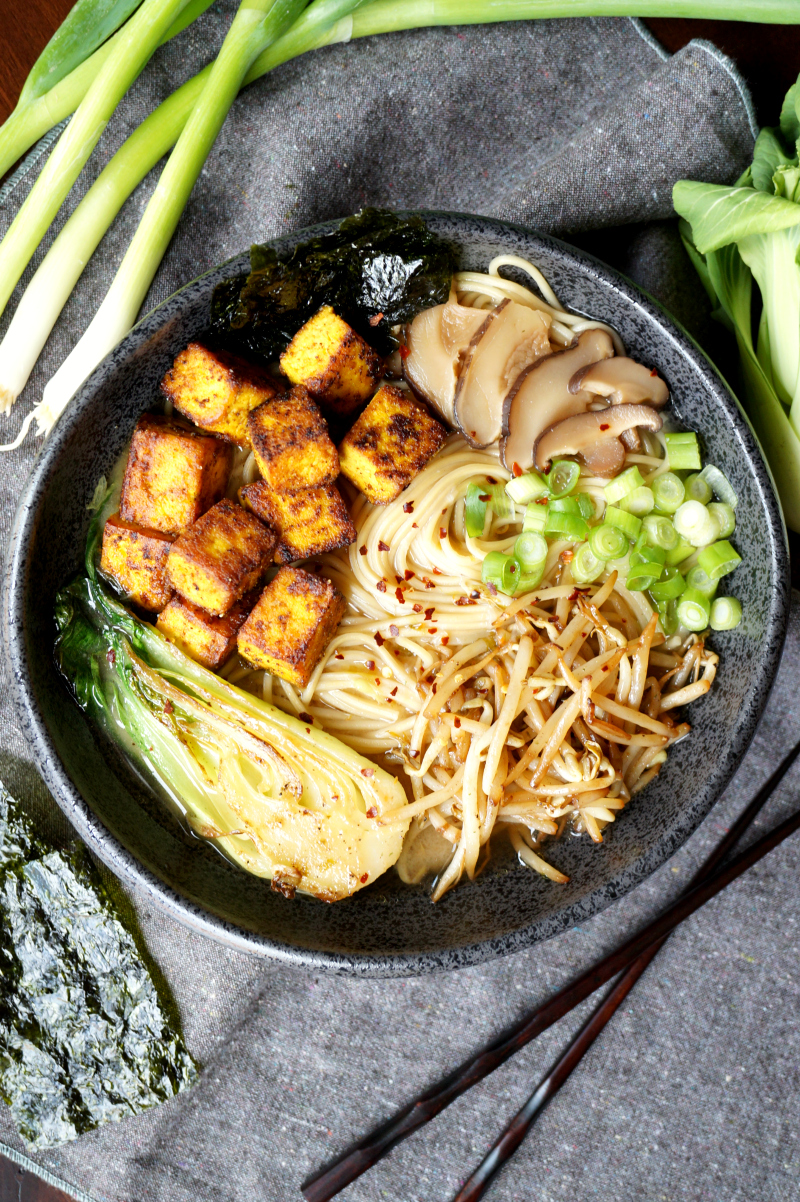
387 928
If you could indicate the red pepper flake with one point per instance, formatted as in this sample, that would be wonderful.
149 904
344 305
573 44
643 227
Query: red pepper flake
606 426
442 532
382 546
605 667
338 655
429 613
484 497
491 589
394 630
379 639
304 717
445 639
408 507
381 586
398 579
414 526
398 592
417 608
541 500
393 692
567 556
404 351
372 812
168 707
491 479
111 656
362 550
412 754
377 680
436 572
427 582
654 372
516 470
432 629
462 601
408 574
457 723
370 665
376 319
367 771
434 687
475 595
365 877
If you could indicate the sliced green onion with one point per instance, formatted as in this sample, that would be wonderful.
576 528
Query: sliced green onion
566 525
502 571
694 610
726 613
585 565
565 505
640 502
563 477
476 505
694 523
623 484
698 579
535 518
681 552
585 505
697 489
500 502
608 542
670 586
724 516
530 550
660 532
668 616
528 487
628 523
668 491
720 485
683 452
642 576
718 559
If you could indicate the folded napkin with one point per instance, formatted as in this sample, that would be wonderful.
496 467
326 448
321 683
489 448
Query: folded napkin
580 128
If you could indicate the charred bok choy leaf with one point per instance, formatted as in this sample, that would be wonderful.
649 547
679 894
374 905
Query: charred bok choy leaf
375 270
84 1037
281 798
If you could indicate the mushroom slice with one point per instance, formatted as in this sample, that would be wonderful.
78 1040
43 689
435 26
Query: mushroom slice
623 381
540 396
581 434
498 353
436 339
604 456
460 324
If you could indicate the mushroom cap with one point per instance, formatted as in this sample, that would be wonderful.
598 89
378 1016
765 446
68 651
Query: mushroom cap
623 380
541 396
582 432
436 339
498 353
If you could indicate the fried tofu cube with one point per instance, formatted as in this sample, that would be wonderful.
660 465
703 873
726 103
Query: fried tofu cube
293 621
216 390
173 475
204 637
309 522
333 362
224 555
136 559
291 443
390 443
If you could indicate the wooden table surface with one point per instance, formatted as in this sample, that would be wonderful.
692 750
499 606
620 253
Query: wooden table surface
767 55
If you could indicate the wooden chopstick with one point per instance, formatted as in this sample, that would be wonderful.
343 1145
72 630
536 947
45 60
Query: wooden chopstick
368 1151
510 1139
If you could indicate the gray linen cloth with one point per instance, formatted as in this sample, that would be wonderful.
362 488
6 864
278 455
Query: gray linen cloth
578 127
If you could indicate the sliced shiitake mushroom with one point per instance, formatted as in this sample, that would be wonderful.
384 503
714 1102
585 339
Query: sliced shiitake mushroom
541 396
623 381
435 340
588 433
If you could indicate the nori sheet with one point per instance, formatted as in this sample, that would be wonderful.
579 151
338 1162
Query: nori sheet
85 1038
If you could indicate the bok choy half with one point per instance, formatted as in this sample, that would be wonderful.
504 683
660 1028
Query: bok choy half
750 234
281 798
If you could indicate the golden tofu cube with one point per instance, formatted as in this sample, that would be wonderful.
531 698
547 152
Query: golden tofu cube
293 621
204 637
390 443
136 559
291 443
173 475
333 362
221 557
216 390
309 522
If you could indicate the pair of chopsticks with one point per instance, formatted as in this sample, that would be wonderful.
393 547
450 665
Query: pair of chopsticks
631 959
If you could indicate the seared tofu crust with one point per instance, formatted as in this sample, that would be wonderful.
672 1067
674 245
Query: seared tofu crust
173 475
204 637
293 621
309 522
390 443
216 390
136 560
333 361
221 557
291 442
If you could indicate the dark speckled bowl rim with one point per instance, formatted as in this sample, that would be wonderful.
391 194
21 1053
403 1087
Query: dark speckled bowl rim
131 872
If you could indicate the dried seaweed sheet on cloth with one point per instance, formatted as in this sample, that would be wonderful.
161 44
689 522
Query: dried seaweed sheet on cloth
85 1038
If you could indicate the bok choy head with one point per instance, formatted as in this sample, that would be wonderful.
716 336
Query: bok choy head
281 798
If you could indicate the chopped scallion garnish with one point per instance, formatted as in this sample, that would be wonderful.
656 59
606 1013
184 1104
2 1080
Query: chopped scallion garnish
683 452
718 559
697 489
720 485
668 492
694 610
628 523
563 477
527 487
586 566
639 502
726 613
476 506
623 484
694 523
608 542
660 532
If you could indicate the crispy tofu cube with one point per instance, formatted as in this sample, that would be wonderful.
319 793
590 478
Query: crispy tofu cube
221 557
333 362
207 638
309 522
291 443
136 559
293 621
390 443
173 475
216 390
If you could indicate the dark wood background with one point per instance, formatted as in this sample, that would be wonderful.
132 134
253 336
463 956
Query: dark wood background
767 55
